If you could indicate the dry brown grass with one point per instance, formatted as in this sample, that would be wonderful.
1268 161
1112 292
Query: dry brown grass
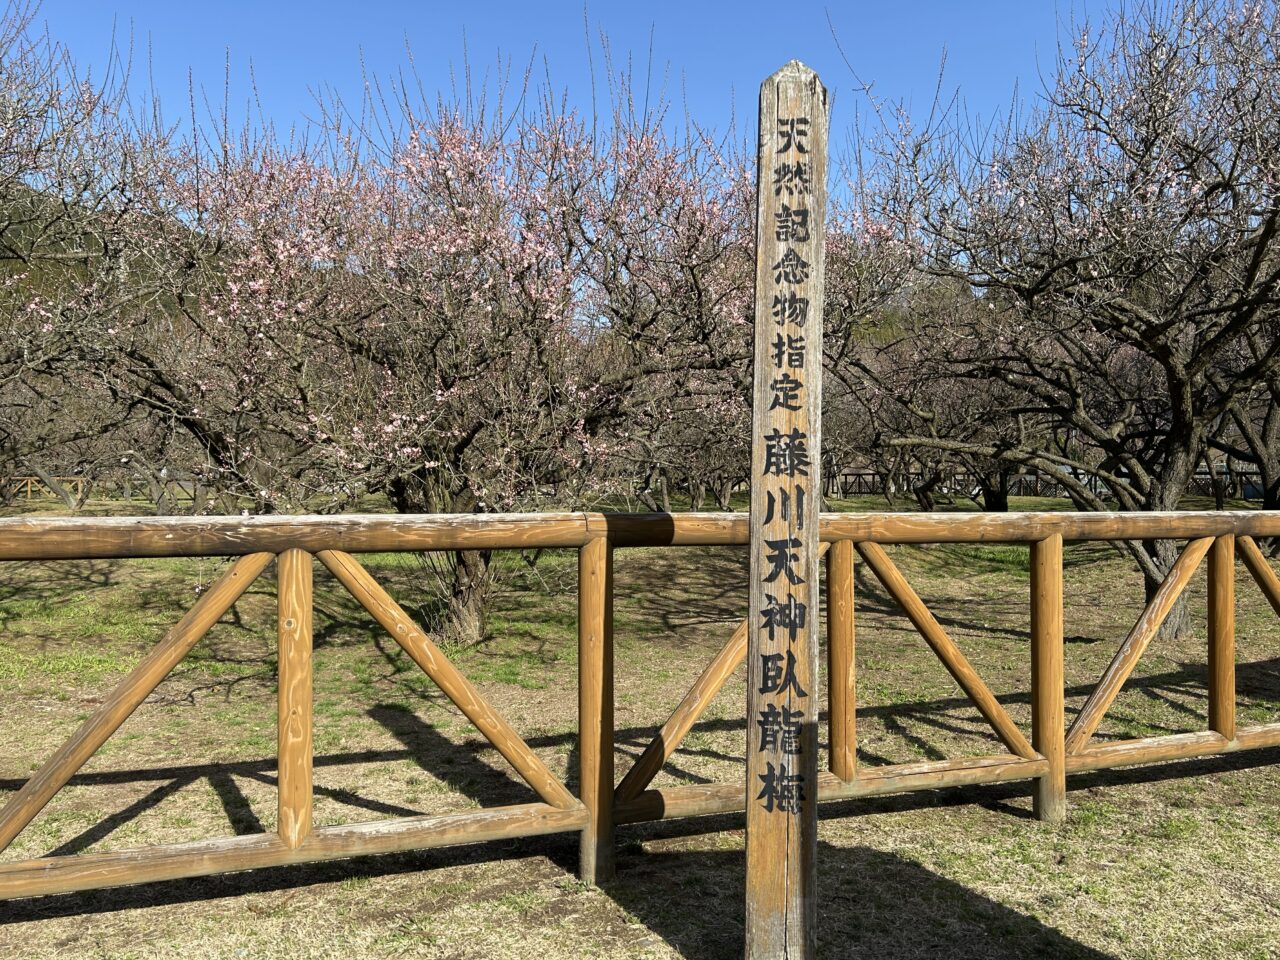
1176 861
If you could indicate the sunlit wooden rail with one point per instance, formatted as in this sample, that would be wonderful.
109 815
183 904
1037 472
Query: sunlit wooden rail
602 801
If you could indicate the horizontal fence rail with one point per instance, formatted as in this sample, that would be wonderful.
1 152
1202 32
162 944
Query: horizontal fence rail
93 538
602 801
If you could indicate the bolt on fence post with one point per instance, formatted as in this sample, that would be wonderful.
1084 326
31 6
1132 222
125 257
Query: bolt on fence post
595 707
1047 724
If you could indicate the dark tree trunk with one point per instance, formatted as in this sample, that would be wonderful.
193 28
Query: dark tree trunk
1172 483
924 492
57 489
995 491
697 494
465 622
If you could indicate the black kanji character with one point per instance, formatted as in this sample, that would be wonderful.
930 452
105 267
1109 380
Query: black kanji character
793 131
792 178
783 791
791 224
789 308
781 506
786 393
775 677
787 616
786 453
780 729
781 557
791 268
791 349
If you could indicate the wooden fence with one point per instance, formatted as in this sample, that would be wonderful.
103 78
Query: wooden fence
33 488
1237 484
602 801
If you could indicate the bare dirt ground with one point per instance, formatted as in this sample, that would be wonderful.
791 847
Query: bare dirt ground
1170 861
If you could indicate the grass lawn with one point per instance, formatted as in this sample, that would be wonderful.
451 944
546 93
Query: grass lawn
1175 861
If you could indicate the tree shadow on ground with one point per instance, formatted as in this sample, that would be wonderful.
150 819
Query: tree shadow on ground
870 904
456 764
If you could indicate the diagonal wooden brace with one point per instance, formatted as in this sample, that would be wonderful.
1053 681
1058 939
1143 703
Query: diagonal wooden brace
125 698
691 708
1126 658
1262 573
942 644
446 676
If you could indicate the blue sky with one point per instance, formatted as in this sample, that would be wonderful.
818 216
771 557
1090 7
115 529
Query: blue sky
710 56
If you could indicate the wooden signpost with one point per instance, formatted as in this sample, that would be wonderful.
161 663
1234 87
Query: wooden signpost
786 485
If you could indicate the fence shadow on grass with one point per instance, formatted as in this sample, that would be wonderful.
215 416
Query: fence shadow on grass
459 765
871 903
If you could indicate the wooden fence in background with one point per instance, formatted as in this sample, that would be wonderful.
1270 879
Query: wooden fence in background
1237 485
33 488
602 801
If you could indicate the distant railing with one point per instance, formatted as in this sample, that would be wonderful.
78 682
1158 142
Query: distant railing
34 488
1052 752
1236 485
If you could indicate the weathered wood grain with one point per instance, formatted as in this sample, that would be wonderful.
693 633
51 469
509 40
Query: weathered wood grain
705 799
33 878
786 467
1222 637
294 696
1048 726
841 674
88 538
94 538
1261 571
1121 753
595 708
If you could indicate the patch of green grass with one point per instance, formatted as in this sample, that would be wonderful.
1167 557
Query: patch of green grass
980 558
519 668
520 902
36 667
1178 827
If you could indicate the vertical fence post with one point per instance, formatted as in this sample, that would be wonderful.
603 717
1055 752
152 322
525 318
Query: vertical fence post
595 707
1222 636
293 573
1047 724
841 678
